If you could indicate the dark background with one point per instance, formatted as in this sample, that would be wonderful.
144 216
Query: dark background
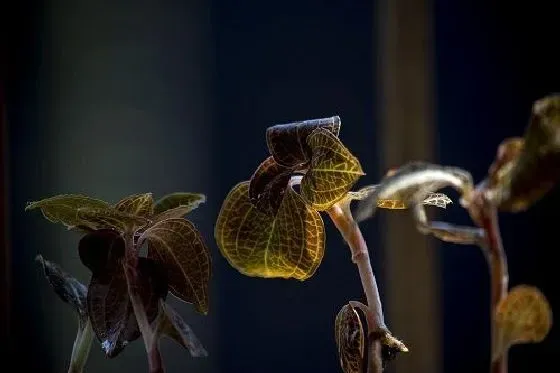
115 98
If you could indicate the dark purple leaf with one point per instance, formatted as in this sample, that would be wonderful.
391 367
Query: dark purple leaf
288 142
109 305
101 247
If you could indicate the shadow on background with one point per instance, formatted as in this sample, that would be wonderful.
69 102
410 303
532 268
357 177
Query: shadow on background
113 99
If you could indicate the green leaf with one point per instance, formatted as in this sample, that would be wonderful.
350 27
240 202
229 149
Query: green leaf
350 339
137 204
523 316
111 218
289 244
170 324
526 169
332 173
179 246
64 208
187 201
288 142
410 184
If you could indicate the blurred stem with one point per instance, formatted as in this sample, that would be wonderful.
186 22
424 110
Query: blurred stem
81 348
342 218
485 215
131 273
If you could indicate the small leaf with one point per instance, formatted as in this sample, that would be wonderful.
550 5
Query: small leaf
111 218
412 183
289 244
288 142
362 193
137 204
523 316
437 199
64 208
110 308
332 173
170 324
179 247
268 185
69 289
525 170
350 339
187 201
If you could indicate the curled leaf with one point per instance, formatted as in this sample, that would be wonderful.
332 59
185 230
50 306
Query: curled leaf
289 244
179 247
332 173
350 339
111 218
268 185
137 204
170 324
69 289
64 209
412 183
525 170
99 248
288 142
186 201
523 316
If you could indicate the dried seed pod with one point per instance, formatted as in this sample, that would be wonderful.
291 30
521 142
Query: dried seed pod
523 316
350 340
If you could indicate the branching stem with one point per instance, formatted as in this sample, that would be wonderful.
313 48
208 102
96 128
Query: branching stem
131 271
485 215
342 218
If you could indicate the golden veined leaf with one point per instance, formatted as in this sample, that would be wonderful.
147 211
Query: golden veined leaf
288 142
170 324
268 185
523 316
530 166
64 208
289 244
187 201
137 204
111 218
332 173
350 339
179 246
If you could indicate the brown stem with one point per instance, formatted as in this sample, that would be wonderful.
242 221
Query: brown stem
155 361
342 218
485 215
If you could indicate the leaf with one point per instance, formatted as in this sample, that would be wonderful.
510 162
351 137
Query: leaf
111 218
525 170
289 244
187 201
170 324
523 316
64 208
288 142
69 289
99 248
268 185
412 183
350 339
332 173
179 247
109 305
137 204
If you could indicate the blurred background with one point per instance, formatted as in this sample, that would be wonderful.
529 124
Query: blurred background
111 98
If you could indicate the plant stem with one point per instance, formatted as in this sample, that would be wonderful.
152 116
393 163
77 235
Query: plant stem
485 214
342 218
81 348
131 274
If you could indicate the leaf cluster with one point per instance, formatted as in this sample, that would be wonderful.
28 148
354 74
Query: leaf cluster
177 262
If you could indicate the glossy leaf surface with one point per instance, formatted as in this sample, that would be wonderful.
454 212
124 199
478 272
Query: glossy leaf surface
289 244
